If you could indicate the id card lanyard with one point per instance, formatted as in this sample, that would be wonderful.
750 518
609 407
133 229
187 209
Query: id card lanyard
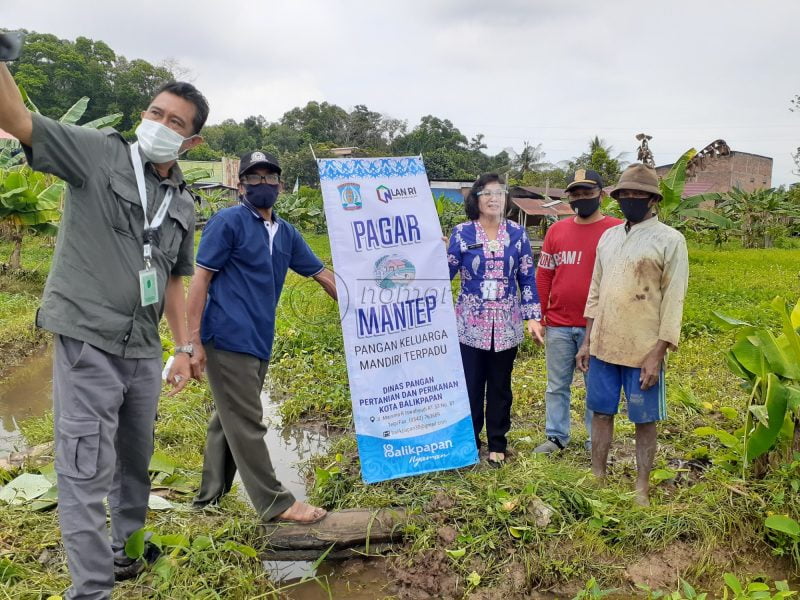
148 279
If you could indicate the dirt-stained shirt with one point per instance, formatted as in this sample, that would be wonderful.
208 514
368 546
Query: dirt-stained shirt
92 290
636 296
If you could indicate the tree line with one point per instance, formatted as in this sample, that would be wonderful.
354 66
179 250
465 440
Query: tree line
56 72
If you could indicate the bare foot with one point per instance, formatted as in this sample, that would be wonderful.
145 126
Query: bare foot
642 497
598 480
302 512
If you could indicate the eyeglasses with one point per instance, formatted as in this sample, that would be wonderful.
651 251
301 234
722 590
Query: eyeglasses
254 179
492 193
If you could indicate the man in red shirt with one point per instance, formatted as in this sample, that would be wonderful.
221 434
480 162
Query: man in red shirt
563 277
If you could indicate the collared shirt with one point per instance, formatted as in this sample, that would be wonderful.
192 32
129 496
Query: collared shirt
248 277
92 291
498 319
638 287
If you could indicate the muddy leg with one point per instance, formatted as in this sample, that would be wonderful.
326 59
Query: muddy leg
602 432
645 455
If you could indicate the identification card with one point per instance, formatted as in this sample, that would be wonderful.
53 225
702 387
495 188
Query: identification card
148 286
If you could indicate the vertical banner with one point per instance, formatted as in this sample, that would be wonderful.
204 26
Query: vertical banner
410 403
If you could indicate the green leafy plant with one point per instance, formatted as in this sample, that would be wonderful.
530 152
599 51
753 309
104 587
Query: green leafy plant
30 201
674 208
770 365
303 209
762 216
450 213
736 590
784 533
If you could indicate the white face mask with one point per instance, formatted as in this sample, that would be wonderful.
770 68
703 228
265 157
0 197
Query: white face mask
159 143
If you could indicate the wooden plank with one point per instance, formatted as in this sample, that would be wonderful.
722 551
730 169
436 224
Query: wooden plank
314 554
344 528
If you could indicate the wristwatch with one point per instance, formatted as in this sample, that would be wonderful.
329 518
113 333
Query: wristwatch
187 349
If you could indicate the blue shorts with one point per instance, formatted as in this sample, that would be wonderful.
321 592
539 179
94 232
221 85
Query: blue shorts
604 382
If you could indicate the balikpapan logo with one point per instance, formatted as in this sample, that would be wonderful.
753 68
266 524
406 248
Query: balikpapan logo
386 193
350 194
394 271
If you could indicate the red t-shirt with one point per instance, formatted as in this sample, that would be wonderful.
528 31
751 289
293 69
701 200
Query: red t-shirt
564 273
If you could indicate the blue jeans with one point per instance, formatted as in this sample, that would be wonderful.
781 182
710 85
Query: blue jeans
561 346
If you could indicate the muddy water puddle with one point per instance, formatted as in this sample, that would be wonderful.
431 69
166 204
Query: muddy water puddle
288 448
25 393
366 581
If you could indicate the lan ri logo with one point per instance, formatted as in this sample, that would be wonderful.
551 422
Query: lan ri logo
384 194
350 194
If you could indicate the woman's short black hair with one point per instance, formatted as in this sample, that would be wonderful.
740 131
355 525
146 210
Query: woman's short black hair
471 203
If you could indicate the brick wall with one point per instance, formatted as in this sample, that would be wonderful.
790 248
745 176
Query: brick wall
746 171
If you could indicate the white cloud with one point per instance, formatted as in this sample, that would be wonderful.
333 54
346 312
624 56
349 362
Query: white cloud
550 71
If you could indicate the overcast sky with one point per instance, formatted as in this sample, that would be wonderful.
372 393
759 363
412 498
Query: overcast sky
555 72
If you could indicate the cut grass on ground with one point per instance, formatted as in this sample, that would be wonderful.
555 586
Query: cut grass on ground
538 522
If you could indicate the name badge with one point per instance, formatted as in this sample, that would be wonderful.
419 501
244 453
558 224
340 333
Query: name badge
148 286
489 289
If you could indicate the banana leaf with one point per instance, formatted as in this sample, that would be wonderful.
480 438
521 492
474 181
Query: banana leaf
26 99
39 217
75 112
764 437
672 185
795 317
747 353
107 121
196 174
14 180
51 197
791 337
7 198
793 399
780 359
736 367
708 216
725 322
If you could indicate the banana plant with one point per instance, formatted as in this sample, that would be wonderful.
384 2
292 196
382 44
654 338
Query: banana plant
10 151
674 208
771 365
29 202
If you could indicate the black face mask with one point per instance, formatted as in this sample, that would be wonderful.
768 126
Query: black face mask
635 209
585 207
263 195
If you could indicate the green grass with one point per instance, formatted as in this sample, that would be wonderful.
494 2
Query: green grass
591 532
19 298
212 573
708 509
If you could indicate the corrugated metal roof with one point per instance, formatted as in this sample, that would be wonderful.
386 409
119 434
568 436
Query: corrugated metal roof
525 191
540 206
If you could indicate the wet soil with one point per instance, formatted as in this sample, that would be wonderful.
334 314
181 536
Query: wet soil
24 393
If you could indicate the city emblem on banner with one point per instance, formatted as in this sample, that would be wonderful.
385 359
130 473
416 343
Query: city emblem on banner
350 194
